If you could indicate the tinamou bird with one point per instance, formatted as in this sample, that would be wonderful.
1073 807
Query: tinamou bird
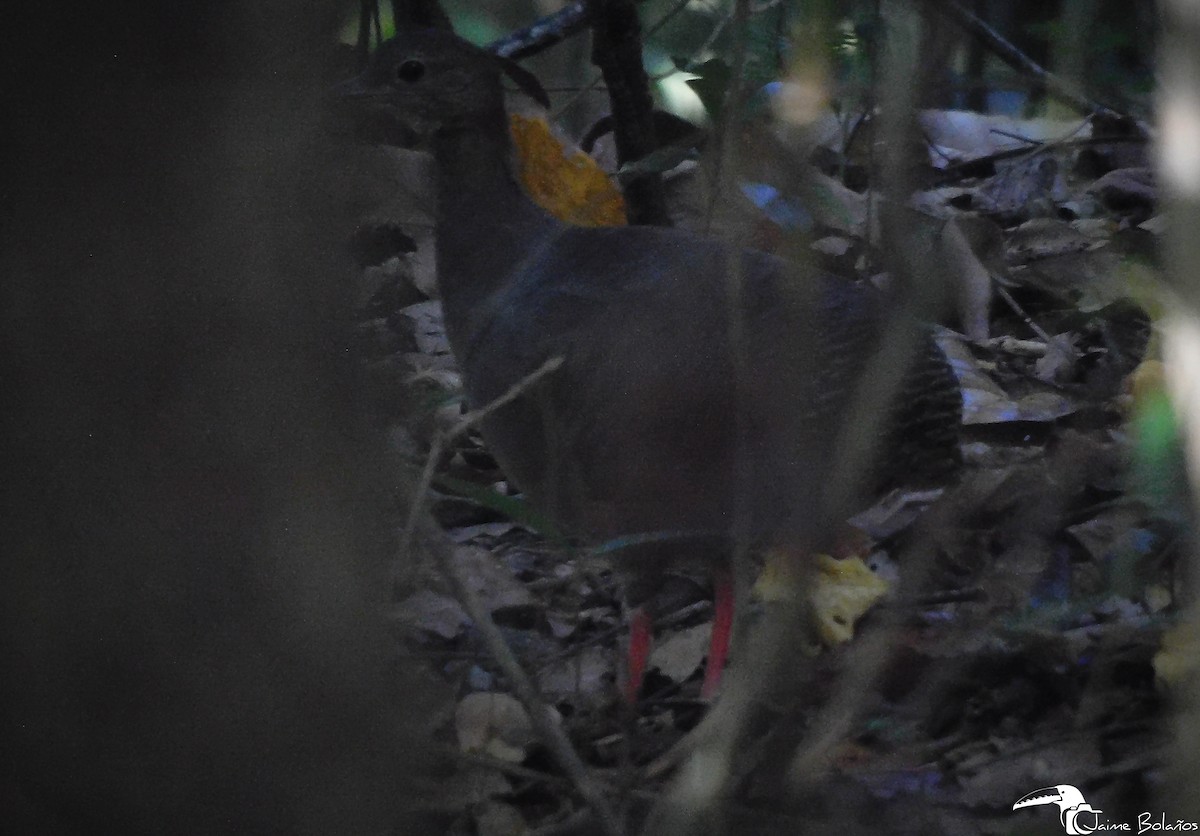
701 387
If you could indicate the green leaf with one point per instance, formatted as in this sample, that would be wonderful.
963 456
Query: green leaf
1158 456
515 508
656 162
711 84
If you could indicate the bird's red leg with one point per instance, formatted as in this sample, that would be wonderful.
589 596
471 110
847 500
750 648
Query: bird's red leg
641 633
718 648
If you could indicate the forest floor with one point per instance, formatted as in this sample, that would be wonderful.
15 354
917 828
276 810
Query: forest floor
1025 630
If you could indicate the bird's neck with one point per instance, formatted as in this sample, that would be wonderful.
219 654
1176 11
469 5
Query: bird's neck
486 223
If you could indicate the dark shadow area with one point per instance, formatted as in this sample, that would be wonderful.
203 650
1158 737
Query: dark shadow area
194 514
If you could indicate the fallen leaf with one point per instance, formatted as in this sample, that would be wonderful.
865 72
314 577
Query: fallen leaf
1043 238
1156 225
1023 188
586 676
432 612
833 245
840 591
1175 664
1040 407
1157 598
843 591
894 512
491 580
495 724
834 205
961 135
679 655
1058 362
467 533
973 280
1127 189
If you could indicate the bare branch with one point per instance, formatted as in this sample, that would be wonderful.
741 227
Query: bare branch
543 34
1018 60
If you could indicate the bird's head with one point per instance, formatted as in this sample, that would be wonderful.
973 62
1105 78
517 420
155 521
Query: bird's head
430 81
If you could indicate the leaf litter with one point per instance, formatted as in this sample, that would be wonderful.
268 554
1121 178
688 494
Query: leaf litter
1036 653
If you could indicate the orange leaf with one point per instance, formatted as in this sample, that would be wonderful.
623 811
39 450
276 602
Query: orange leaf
571 187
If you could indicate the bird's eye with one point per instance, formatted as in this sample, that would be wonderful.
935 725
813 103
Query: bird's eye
410 71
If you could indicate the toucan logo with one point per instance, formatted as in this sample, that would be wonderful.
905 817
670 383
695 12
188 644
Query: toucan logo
1076 815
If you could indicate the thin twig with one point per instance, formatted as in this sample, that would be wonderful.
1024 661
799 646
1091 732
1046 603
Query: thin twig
734 98
594 84
545 33
878 386
959 170
1179 171
553 29
544 721
617 51
465 423
1003 293
1012 345
1018 60
1014 135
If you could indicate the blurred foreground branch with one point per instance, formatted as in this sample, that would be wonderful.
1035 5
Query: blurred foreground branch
1179 167
195 514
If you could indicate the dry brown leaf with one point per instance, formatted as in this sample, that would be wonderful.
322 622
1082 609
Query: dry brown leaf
1044 237
985 402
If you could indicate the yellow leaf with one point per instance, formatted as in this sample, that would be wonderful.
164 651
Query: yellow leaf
1175 663
840 592
571 187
